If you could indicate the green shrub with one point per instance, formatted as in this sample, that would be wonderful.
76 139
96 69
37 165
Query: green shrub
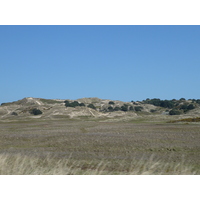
190 107
67 103
131 108
35 111
116 108
186 107
161 103
110 109
91 106
14 113
138 108
198 101
124 107
174 112
111 102
73 104
182 99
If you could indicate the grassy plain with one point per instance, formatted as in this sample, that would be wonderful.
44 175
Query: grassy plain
90 146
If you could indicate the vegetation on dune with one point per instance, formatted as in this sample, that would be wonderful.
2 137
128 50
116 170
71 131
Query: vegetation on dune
174 112
91 106
35 111
177 106
173 107
161 103
124 107
73 104
138 108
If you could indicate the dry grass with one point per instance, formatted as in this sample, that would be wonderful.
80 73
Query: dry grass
65 146
194 119
25 165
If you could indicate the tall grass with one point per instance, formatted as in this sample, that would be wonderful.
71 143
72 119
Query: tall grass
17 164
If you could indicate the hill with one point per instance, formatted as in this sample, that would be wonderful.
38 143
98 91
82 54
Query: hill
99 108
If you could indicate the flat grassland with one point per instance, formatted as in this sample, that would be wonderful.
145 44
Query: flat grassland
90 146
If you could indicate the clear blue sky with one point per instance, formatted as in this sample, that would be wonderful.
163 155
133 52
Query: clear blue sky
110 62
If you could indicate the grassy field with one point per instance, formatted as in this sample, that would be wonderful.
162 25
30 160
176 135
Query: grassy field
66 146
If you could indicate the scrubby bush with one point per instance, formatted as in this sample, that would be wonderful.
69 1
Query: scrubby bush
91 106
182 99
174 112
117 108
111 102
14 113
67 103
167 104
138 108
161 103
186 107
124 107
73 104
190 107
110 109
131 108
198 101
35 111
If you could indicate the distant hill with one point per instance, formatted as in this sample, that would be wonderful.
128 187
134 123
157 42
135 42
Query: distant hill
98 108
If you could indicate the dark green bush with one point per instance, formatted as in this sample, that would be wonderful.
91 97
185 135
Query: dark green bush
35 111
116 108
198 101
190 107
174 112
161 103
138 108
73 104
182 99
131 108
67 103
91 106
186 107
111 102
14 113
110 109
167 104
124 107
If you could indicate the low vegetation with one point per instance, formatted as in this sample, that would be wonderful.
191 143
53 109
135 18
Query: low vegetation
177 106
18 164
69 146
195 119
73 104
39 136
35 111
